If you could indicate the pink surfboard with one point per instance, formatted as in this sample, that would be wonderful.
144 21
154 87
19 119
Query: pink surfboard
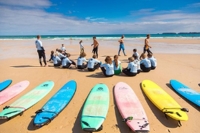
130 108
13 91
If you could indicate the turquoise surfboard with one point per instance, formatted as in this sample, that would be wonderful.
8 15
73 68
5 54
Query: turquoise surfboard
27 100
55 104
95 108
5 84
188 93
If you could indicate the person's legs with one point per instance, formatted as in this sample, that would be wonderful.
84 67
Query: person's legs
144 69
123 49
149 51
97 52
73 63
80 67
56 65
128 73
144 50
96 66
138 71
103 70
119 50
152 67
91 69
40 56
44 58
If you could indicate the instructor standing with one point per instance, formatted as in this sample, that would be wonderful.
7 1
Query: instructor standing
121 45
40 50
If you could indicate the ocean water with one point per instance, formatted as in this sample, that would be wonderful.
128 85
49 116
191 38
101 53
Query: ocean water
103 37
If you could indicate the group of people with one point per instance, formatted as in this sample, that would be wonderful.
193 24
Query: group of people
136 63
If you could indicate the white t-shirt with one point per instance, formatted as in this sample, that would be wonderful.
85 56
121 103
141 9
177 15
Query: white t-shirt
81 60
61 56
65 61
138 64
133 67
63 48
38 44
146 62
118 67
136 54
153 61
92 62
109 68
56 59
81 45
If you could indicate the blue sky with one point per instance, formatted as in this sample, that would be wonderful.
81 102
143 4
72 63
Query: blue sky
30 17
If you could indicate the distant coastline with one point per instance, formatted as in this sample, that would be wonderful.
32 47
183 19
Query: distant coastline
181 33
103 36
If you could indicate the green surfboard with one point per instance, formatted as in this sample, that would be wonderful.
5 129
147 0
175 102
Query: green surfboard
27 100
95 108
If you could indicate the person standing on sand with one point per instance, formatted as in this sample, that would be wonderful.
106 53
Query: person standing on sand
121 45
95 46
146 45
81 46
40 50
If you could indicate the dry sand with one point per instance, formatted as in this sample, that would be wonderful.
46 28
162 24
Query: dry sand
177 59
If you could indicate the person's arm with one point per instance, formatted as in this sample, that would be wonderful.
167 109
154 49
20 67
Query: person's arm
102 65
68 60
129 66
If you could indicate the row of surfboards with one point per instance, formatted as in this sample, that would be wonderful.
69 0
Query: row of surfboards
97 103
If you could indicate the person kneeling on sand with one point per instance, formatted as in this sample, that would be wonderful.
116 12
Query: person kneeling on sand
80 61
93 63
108 68
66 62
131 70
153 61
117 65
145 64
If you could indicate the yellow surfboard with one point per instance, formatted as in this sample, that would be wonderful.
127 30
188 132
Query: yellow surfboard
164 101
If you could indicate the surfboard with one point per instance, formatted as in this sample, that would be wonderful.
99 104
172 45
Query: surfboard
27 100
130 108
188 93
95 108
12 91
163 101
55 104
5 84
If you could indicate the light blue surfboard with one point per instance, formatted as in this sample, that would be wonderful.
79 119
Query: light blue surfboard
186 92
5 84
55 104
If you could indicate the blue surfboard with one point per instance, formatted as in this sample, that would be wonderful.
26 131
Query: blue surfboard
55 104
5 84
186 92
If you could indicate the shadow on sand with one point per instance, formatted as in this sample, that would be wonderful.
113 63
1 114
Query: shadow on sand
23 66
97 75
168 122
77 125
192 104
2 121
31 127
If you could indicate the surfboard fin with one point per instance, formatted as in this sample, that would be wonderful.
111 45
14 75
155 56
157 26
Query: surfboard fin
185 109
179 123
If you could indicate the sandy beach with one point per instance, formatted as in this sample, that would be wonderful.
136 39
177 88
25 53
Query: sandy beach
177 59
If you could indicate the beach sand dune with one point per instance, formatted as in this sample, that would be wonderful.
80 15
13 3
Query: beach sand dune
19 61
